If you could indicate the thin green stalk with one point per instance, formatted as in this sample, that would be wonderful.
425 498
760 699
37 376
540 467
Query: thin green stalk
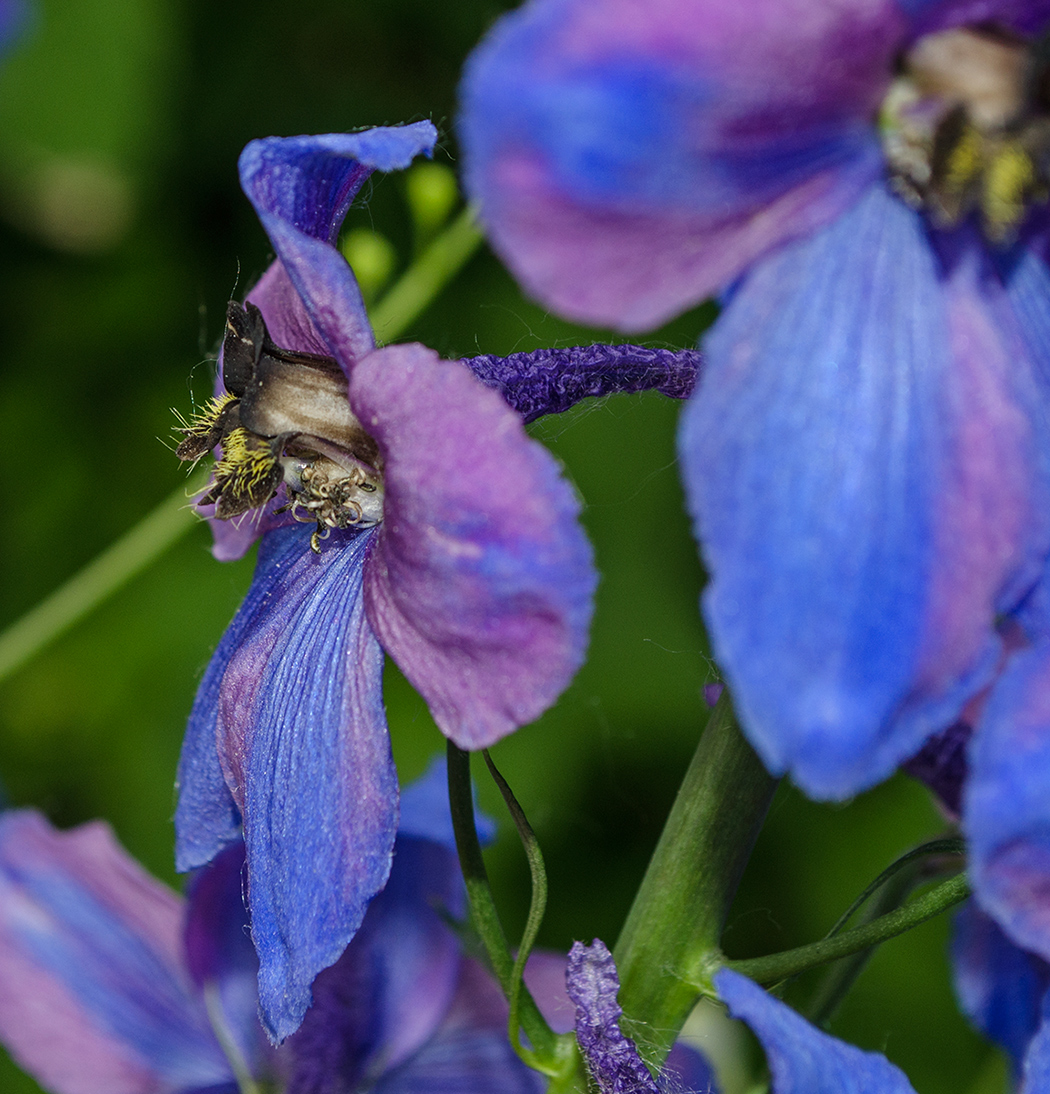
550 1053
777 966
173 518
670 940
98 580
427 276
537 905
246 1084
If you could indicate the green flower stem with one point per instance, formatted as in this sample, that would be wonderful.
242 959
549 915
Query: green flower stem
537 906
99 580
426 277
670 940
550 1053
173 518
777 966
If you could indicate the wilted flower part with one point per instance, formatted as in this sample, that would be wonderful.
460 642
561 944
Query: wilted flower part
613 1062
868 456
801 1058
450 540
109 979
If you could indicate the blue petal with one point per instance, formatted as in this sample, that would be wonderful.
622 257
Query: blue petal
999 986
392 987
1035 1077
1006 808
93 994
425 811
306 753
470 1052
866 463
550 381
206 817
301 188
802 1059
220 954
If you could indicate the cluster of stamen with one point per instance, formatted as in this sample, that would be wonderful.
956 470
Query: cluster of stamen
284 421
966 129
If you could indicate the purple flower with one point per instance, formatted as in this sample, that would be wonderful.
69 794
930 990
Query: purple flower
111 984
439 532
867 457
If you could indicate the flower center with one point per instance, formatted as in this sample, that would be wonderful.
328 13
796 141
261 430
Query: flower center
966 128
285 419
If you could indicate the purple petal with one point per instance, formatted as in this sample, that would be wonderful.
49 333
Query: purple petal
631 158
549 381
302 187
385 997
941 765
612 1059
1023 16
305 751
866 463
1000 987
545 979
94 996
802 1059
1006 810
470 1052
1036 1072
220 954
687 1070
481 583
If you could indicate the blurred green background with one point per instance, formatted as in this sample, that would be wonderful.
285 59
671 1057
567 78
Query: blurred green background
123 233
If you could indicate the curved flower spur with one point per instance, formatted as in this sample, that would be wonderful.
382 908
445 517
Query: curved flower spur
441 534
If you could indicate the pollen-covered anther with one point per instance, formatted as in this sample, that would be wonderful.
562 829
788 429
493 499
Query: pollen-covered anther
966 129
247 476
202 432
334 496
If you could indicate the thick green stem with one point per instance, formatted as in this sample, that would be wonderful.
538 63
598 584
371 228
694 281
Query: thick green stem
777 966
550 1053
671 936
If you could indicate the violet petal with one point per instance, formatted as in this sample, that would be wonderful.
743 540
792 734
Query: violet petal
301 188
1006 809
804 1060
306 754
630 159
219 951
612 1059
871 487
549 381
1023 16
387 994
1000 987
481 583
94 996
941 765
469 1053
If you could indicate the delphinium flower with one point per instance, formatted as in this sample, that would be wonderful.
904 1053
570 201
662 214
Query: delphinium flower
402 508
112 984
867 457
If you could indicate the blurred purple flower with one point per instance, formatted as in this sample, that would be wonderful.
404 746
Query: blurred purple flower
111 984
867 457
461 556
